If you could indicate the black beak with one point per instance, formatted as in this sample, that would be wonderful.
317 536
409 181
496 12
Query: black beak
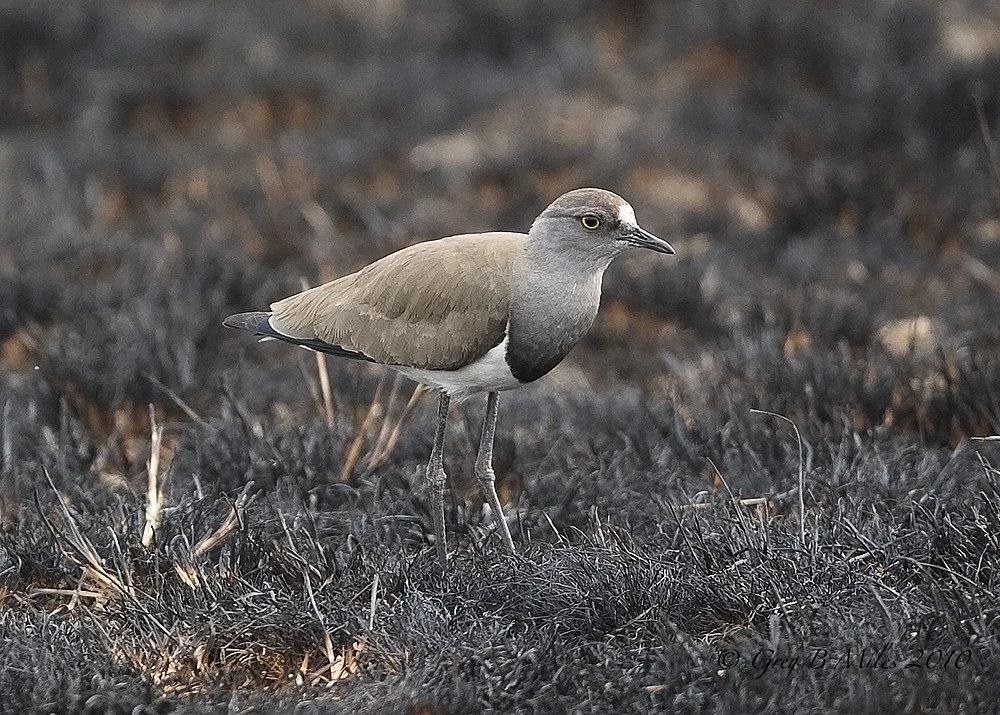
644 239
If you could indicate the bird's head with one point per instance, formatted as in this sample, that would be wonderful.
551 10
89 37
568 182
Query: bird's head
594 222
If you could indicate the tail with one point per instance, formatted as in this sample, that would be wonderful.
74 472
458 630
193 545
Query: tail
258 324
254 323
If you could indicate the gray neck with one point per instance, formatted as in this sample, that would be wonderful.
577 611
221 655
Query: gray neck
554 303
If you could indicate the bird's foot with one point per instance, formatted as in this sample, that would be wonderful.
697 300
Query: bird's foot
487 482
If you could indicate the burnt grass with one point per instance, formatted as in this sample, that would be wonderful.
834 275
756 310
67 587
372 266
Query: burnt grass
824 170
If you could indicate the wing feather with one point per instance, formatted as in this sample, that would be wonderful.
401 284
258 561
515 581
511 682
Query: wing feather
435 305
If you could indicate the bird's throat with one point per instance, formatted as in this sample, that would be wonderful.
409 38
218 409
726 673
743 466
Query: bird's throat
552 309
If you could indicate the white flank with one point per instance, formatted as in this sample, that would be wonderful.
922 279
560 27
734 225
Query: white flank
490 373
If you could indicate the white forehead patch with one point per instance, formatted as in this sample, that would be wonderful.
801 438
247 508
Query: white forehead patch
627 215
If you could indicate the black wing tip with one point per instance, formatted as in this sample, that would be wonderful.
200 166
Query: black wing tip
257 323
251 322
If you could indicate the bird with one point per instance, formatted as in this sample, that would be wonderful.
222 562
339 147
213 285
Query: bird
468 314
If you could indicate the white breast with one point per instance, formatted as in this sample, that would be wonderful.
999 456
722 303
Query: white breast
490 373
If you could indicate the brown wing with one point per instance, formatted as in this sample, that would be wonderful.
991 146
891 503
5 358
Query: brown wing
435 305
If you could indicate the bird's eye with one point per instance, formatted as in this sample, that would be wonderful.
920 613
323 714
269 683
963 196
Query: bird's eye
590 222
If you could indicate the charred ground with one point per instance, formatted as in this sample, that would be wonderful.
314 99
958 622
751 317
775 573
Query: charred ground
825 173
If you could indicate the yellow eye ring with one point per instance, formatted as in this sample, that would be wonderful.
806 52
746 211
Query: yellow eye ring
590 222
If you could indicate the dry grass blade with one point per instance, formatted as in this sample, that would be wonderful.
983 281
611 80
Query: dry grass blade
324 378
176 399
233 518
736 503
74 592
81 551
335 667
991 147
802 473
372 602
318 219
324 387
212 540
390 443
385 428
762 502
989 277
154 489
357 443
271 183
7 450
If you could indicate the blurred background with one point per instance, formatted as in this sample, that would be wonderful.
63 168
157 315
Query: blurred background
828 172
822 167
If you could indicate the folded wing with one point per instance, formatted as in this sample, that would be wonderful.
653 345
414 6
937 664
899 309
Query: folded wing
436 305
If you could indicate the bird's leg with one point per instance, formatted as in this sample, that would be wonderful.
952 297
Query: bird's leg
438 479
484 467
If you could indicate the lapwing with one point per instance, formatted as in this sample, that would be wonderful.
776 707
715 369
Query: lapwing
468 314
